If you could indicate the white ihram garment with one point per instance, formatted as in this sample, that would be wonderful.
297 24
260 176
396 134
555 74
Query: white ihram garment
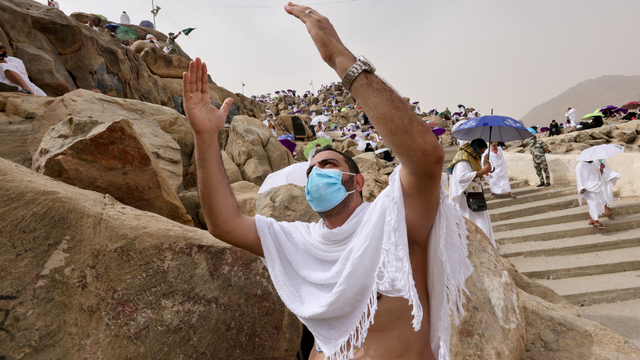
16 65
588 177
463 180
124 19
572 115
609 177
499 179
330 279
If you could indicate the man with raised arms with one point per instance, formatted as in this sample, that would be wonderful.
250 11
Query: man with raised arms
401 260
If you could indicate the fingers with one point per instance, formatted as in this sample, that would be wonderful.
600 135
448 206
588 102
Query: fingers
198 81
300 11
186 87
205 80
226 106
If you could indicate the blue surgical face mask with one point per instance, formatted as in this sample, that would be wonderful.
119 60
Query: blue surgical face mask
325 190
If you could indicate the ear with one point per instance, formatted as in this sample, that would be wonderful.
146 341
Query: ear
359 182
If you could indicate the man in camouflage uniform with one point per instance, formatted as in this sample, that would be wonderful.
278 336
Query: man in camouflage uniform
538 150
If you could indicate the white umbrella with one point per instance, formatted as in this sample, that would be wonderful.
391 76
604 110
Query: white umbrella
600 152
292 174
363 145
318 119
381 150
455 127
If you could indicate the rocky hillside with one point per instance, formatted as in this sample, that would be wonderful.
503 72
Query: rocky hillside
61 54
586 97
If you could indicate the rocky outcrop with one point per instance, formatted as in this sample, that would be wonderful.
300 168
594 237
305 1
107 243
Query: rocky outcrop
493 326
255 150
297 125
164 65
553 333
84 276
286 203
113 159
246 195
165 132
17 112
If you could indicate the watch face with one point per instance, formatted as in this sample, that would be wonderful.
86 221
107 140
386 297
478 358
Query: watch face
370 67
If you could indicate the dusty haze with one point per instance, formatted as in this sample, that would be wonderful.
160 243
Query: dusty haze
500 54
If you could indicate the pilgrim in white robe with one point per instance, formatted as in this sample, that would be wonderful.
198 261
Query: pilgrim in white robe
463 180
588 177
572 116
16 65
498 179
609 177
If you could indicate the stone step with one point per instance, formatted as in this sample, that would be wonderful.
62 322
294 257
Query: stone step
546 194
515 184
567 230
625 206
527 209
572 246
572 266
598 289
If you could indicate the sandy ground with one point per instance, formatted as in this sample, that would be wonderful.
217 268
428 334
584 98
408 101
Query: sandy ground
623 317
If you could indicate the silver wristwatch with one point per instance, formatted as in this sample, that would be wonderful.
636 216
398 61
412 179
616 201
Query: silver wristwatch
362 64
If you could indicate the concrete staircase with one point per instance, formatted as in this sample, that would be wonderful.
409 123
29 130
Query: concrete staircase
547 237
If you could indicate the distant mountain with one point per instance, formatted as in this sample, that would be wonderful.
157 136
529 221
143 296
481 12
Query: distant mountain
586 97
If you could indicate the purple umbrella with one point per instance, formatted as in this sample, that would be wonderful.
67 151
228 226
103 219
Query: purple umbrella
544 129
147 24
457 113
608 107
291 146
439 131
415 102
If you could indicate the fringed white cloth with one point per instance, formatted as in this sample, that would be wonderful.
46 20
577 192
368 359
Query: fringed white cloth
330 278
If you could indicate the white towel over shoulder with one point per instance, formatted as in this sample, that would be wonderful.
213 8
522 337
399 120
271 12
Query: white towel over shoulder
330 278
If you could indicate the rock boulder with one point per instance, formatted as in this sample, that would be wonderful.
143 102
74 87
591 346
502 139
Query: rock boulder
255 150
84 276
553 333
165 132
112 159
286 203
493 326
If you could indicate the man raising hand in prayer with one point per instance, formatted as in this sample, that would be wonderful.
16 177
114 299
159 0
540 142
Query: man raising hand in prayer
386 261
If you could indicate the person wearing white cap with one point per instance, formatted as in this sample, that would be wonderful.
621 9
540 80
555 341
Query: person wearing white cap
152 39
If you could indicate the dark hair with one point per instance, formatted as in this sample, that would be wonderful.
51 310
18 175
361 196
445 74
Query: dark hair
353 167
480 143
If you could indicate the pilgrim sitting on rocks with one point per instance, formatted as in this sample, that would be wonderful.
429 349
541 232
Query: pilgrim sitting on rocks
14 73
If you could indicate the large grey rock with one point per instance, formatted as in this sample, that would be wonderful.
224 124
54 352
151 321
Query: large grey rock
493 326
286 203
166 133
112 159
554 333
84 276
255 150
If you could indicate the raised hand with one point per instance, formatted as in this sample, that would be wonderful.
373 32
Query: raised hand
325 37
202 115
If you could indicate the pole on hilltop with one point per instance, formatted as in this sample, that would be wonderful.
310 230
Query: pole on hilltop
242 88
313 91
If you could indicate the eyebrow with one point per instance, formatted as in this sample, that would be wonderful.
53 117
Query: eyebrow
319 162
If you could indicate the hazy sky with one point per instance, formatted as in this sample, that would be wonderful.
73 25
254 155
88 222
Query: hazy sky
508 55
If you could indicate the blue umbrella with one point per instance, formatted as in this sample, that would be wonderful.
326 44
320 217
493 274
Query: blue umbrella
147 24
112 26
532 130
492 128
